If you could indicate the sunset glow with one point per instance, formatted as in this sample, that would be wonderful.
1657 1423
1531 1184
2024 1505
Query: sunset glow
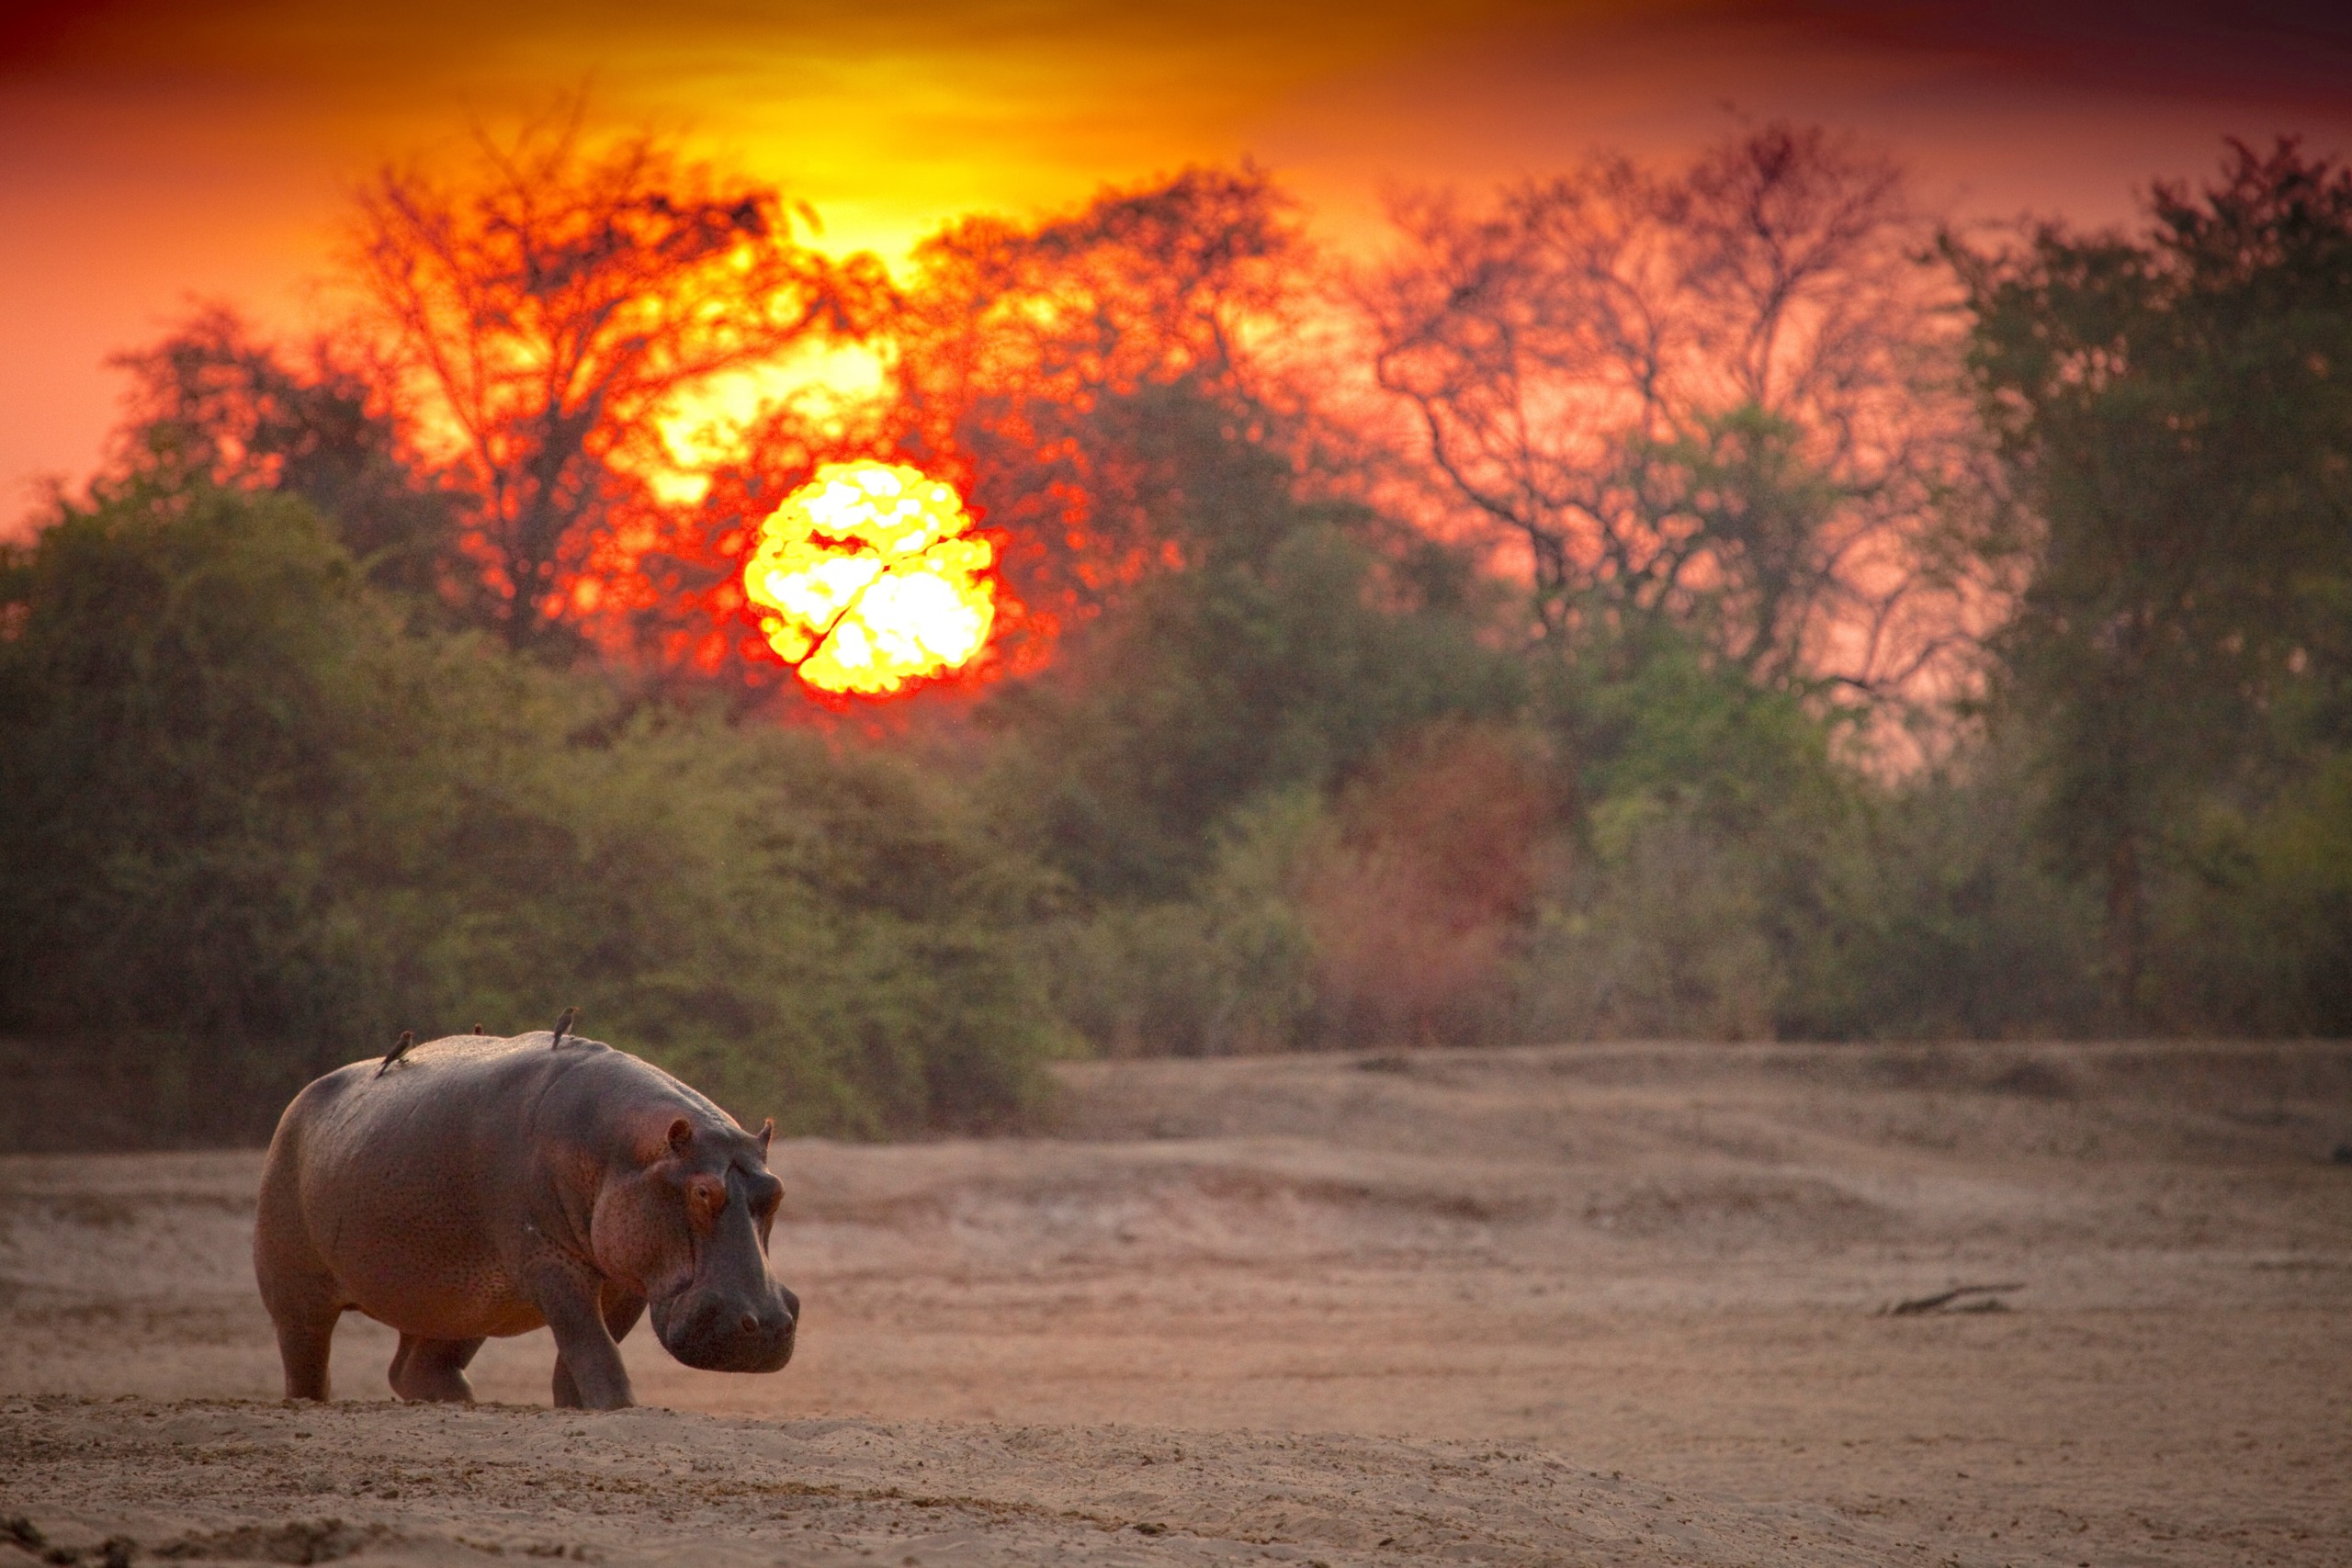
161 150
870 580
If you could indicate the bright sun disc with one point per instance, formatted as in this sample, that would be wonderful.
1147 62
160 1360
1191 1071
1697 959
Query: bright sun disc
868 580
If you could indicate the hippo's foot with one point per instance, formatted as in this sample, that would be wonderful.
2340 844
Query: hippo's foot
568 1395
433 1369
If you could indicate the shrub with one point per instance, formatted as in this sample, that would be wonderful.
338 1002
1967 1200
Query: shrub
257 823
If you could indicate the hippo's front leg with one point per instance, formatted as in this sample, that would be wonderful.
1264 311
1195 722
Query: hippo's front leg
621 1312
588 1368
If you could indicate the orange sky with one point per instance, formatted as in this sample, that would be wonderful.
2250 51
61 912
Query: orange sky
151 153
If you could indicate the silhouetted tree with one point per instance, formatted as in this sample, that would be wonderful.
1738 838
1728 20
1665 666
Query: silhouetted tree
549 304
2177 413
212 403
1083 380
1037 364
1721 395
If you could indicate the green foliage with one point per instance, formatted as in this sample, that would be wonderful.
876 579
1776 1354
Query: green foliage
1192 767
184 718
256 822
1655 717
1748 485
1283 656
812 935
2263 924
1685 848
2176 413
1665 935
1940 917
1712 808
1228 970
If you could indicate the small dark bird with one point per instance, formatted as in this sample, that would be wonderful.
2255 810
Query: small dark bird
563 1027
399 1049
479 1030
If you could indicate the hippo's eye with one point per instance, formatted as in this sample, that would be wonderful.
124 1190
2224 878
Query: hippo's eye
708 1196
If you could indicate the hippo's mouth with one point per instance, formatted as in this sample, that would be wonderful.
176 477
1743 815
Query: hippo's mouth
723 1332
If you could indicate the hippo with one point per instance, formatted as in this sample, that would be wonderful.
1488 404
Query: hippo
475 1186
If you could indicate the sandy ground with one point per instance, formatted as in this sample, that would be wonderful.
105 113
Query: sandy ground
1592 1305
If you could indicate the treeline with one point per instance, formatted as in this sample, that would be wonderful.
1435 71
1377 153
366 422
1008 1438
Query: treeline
1701 602
259 822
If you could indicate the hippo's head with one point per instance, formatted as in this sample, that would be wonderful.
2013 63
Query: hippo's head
691 1229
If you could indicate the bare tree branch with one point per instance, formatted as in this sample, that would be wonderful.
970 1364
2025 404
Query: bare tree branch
1728 395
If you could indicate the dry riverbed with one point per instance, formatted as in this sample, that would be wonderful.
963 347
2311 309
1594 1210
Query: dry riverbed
1591 1304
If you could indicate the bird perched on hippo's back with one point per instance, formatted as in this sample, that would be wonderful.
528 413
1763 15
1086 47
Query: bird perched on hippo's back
399 1049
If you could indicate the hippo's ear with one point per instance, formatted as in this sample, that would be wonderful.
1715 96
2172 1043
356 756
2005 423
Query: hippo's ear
767 1131
681 1133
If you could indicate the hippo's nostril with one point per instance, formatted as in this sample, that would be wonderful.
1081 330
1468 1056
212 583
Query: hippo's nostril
750 1323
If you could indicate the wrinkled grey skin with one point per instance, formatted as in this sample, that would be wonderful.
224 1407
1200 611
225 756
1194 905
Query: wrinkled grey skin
483 1187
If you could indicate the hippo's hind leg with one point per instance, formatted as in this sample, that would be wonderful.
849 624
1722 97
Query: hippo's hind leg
300 1293
305 1337
305 1303
433 1369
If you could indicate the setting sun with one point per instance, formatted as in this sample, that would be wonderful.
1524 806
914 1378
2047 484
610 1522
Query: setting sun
870 580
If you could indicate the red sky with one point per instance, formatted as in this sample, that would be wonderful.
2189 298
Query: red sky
154 153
